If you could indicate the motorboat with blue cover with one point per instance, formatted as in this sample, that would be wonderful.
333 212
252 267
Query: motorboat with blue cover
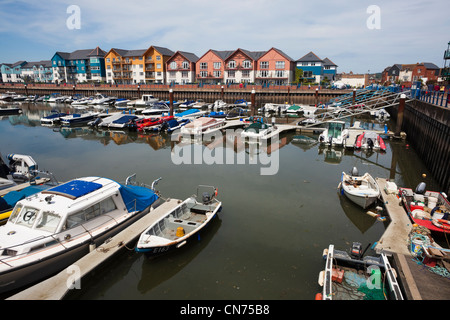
50 230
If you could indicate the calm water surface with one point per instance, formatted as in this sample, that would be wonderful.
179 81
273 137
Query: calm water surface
268 240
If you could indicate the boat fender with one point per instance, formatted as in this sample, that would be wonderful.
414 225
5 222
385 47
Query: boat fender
319 296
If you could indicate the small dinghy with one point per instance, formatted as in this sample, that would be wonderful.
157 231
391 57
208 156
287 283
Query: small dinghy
178 226
362 190
370 140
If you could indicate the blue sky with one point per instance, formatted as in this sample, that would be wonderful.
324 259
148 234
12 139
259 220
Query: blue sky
409 31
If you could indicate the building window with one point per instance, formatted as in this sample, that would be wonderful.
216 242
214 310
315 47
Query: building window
158 58
203 74
184 74
158 66
247 64
203 65
279 73
264 74
307 74
231 74
264 64
232 64
217 65
279 65
173 65
172 74
185 65
217 74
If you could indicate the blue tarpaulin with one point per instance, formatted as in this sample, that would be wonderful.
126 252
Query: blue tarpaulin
12 197
137 198
75 188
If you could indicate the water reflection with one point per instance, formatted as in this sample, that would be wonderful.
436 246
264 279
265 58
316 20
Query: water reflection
268 241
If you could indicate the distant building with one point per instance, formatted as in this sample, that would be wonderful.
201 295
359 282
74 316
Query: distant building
39 71
355 80
315 69
408 73
275 67
12 72
137 66
181 67
79 66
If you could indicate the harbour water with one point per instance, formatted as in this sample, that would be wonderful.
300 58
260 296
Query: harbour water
268 240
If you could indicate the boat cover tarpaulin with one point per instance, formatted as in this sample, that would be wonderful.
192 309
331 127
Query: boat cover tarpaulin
75 188
137 198
124 119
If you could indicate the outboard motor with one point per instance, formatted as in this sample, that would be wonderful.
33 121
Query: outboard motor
356 250
370 144
421 188
355 172
21 167
206 198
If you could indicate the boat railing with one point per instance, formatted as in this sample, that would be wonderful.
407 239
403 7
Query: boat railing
62 239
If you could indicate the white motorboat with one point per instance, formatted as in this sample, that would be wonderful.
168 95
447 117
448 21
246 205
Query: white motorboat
117 120
99 99
157 108
56 98
334 134
362 190
178 226
7 96
259 130
276 107
78 118
52 229
218 105
146 100
203 125
53 118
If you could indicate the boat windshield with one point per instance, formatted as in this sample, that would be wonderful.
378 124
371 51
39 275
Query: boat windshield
48 221
335 129
27 216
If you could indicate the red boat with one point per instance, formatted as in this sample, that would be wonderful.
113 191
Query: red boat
429 209
145 123
370 140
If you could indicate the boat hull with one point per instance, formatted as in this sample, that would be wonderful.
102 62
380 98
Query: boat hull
361 190
34 272
174 246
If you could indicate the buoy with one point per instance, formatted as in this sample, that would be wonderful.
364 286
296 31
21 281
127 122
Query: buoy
319 296
180 232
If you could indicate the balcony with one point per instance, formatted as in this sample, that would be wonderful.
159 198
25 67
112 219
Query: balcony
209 76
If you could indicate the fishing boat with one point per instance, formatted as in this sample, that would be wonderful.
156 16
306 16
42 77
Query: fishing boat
362 190
52 229
370 140
180 225
334 133
78 118
353 276
430 209
203 125
53 118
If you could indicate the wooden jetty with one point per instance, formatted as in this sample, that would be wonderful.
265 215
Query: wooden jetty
418 283
56 287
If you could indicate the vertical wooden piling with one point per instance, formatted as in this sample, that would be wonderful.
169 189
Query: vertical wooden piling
253 102
171 102
401 110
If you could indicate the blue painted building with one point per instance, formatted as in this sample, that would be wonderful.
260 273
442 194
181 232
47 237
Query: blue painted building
12 72
315 69
39 71
79 66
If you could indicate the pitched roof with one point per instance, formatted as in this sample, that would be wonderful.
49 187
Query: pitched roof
223 54
309 57
283 54
82 54
255 55
164 51
97 52
328 62
192 57
430 65
44 63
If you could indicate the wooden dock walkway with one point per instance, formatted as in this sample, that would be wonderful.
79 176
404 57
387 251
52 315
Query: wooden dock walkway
418 283
56 287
